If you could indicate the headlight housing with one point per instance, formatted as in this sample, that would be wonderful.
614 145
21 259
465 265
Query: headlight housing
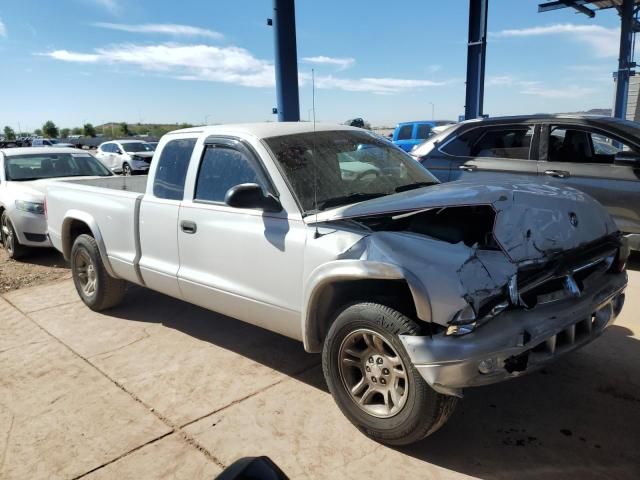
31 207
466 321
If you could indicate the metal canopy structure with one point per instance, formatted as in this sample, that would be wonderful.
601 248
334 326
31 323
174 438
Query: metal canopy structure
286 63
476 55
629 25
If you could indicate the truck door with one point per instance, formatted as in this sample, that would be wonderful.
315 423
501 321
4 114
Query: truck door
160 260
245 263
584 158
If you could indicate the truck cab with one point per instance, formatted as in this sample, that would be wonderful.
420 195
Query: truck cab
409 134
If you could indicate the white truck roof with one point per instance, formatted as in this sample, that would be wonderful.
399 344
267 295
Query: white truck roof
265 129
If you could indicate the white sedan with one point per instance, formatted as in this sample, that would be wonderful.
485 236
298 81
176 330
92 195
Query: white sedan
126 156
24 174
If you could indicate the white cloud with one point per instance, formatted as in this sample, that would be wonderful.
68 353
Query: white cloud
341 63
563 93
228 64
110 5
374 85
3 29
499 80
162 28
603 41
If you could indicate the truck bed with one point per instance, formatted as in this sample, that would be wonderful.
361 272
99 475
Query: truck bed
137 184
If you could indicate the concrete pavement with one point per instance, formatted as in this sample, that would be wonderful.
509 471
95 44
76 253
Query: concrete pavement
158 388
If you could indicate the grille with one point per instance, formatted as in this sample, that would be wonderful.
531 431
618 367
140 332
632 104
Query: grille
571 336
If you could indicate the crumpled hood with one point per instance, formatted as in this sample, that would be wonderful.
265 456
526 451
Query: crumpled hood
533 220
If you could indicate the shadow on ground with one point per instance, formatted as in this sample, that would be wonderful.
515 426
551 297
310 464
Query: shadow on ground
579 417
270 349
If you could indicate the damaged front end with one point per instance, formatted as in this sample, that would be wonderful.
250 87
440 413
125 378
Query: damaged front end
514 276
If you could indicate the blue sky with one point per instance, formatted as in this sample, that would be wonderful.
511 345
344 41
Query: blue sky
75 61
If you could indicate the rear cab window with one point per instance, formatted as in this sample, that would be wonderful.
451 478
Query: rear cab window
171 170
405 132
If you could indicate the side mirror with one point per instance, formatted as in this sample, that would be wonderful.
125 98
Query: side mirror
250 195
118 151
627 158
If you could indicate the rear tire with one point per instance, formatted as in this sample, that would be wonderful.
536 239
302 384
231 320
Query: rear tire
97 289
362 344
9 239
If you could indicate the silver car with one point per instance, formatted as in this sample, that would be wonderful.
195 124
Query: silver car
24 173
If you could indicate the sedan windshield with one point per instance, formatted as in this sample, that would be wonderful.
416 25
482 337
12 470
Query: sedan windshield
333 168
52 165
137 147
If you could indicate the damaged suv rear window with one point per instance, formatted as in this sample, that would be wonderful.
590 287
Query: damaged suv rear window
344 167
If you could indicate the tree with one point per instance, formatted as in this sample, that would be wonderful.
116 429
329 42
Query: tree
37 132
76 131
125 129
9 134
50 130
64 133
89 130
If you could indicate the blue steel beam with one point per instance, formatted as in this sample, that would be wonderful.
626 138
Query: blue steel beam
476 54
286 60
625 60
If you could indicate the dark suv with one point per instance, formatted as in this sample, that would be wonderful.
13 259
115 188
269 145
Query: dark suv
598 155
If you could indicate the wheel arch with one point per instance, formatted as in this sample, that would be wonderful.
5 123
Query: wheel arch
77 223
341 282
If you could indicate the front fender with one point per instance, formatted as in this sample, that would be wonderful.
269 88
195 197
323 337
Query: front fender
87 219
341 270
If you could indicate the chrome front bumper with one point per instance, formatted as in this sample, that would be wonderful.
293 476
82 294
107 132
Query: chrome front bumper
516 342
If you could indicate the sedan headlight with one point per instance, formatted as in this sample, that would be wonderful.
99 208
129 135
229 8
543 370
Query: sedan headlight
31 207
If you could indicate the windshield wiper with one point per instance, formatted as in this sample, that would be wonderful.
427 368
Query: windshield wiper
346 199
413 186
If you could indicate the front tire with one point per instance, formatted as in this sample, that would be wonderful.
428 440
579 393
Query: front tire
373 380
126 170
97 289
10 239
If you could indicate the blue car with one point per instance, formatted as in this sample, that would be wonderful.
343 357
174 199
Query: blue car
409 134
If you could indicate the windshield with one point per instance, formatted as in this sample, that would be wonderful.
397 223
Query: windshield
137 147
53 165
350 166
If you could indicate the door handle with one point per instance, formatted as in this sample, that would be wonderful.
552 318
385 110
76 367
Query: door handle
188 226
557 173
468 167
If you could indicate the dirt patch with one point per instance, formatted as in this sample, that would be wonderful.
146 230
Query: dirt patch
39 266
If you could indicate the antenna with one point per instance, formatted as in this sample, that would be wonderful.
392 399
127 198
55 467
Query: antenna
315 166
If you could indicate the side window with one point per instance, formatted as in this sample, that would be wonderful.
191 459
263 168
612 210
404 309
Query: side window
222 168
106 147
424 131
172 169
405 132
460 146
504 143
568 144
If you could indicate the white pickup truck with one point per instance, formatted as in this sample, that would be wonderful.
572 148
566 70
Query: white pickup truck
413 290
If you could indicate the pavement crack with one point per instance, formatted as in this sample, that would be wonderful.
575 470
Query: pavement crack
120 457
113 350
246 397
